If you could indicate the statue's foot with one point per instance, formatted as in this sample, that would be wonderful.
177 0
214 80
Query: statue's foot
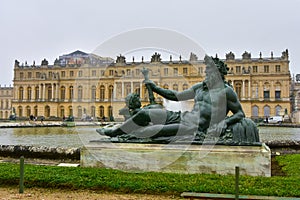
105 131
111 132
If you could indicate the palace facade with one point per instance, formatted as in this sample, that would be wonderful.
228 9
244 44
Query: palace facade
81 84
6 97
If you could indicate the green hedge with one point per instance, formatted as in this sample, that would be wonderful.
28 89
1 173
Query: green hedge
154 183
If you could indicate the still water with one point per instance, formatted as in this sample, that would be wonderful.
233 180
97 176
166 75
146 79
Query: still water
81 135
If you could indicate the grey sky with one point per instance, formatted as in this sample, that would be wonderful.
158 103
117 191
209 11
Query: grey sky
37 29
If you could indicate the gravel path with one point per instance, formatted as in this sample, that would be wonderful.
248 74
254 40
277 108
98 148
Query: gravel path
47 194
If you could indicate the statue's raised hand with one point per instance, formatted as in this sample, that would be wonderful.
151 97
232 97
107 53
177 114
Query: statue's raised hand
149 83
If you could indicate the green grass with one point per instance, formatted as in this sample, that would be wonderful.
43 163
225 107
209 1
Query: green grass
154 183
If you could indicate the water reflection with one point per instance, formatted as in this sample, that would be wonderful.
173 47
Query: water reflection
81 135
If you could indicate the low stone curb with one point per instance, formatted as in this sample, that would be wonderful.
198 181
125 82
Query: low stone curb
16 151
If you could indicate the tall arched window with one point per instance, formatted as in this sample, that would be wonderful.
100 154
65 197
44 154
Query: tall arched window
62 93
93 94
28 111
102 93
101 112
47 111
37 92
255 90
71 92
110 92
49 90
35 113
267 111
255 111
70 111
79 111
20 110
29 93
277 110
21 93
62 111
238 89
80 93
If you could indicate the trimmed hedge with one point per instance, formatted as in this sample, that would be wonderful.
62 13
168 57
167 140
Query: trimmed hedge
152 182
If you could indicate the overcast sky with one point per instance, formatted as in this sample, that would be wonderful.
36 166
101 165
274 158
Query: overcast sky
36 29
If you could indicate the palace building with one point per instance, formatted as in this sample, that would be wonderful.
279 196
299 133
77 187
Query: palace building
81 84
6 97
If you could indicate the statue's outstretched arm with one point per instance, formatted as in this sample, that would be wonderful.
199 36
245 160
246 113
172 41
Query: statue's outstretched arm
172 94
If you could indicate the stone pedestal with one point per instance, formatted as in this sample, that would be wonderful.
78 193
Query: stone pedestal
178 158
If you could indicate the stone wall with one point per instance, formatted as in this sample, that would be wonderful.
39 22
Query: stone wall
16 151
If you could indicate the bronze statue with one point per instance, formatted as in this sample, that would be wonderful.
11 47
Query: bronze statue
213 98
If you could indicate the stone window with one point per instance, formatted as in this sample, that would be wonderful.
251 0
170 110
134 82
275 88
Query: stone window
277 94
101 110
37 92
102 93
266 94
62 93
277 68
175 71
71 92
266 68
185 71
21 93
29 93
80 93
166 71
93 95
254 69
266 111
238 69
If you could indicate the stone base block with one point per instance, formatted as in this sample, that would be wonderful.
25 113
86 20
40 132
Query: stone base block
178 158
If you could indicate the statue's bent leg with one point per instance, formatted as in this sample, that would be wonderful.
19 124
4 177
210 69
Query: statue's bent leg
136 122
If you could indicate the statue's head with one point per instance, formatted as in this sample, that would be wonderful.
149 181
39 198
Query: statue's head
211 62
133 101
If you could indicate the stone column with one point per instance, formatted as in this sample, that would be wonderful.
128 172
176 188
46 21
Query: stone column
260 90
249 89
131 87
40 92
115 90
52 95
243 88
44 92
56 92
122 96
